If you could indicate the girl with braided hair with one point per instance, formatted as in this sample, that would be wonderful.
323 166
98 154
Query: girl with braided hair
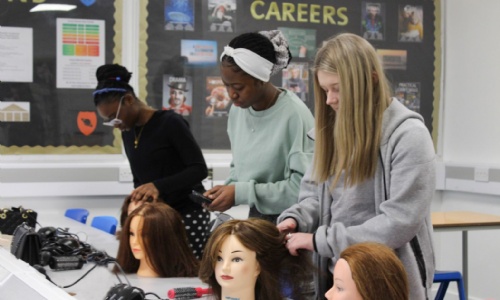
165 160
267 127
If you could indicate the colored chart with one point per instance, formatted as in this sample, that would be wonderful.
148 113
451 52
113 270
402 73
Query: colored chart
80 40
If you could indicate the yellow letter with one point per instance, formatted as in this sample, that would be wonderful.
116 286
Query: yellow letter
314 13
342 16
288 10
254 12
273 11
301 11
328 13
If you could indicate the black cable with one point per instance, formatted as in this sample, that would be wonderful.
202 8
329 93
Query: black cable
43 271
83 276
151 293
121 271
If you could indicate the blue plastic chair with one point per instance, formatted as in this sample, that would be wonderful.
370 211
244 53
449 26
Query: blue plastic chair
78 214
105 223
445 277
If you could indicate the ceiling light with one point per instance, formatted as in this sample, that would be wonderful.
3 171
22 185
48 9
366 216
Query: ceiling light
53 7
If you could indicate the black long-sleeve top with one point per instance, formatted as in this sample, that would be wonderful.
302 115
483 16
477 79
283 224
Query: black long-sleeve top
167 155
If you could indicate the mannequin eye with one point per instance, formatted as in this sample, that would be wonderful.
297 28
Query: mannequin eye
219 258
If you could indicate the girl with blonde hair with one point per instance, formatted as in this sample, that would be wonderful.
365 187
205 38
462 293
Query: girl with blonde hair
373 173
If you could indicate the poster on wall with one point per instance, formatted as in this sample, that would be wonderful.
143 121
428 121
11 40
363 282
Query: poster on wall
16 54
199 52
221 15
373 20
177 94
14 111
411 28
408 93
179 15
296 79
217 99
80 51
301 41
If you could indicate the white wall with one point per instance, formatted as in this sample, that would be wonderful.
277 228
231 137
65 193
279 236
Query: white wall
471 133
469 136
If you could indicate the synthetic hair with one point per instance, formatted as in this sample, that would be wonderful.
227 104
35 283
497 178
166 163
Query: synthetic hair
124 209
115 78
377 271
256 43
349 141
276 263
165 242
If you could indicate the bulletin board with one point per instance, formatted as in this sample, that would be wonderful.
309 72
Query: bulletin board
185 39
47 72
46 104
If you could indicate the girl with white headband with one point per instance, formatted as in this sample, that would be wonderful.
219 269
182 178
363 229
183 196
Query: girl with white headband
267 128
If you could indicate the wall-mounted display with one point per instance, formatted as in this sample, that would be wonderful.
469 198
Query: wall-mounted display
398 29
47 73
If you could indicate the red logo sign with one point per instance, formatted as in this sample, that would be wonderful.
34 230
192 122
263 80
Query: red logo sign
87 122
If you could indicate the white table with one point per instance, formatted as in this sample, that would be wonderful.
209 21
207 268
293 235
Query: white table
99 281
464 221
18 280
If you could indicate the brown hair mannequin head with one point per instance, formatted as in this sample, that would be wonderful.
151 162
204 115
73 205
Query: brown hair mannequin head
274 260
164 243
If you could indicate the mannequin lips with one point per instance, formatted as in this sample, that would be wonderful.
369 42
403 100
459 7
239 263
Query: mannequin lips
226 277
136 250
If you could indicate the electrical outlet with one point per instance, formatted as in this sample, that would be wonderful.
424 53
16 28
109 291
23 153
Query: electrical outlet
481 174
125 175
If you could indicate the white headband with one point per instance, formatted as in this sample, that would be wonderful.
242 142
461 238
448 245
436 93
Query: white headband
250 62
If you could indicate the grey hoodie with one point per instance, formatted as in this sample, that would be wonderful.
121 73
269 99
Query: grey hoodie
367 212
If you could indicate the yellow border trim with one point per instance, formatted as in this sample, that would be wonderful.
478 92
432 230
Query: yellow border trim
437 72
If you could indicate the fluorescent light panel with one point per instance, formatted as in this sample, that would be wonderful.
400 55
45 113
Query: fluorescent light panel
53 7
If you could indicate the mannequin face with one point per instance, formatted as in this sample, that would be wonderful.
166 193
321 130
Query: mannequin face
135 239
237 267
344 287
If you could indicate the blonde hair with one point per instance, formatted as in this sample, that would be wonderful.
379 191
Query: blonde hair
348 140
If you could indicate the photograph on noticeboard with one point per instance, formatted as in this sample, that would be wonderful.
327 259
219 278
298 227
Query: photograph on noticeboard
177 94
221 15
373 21
217 99
179 15
411 28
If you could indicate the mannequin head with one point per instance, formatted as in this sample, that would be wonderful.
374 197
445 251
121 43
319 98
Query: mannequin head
127 207
369 271
262 259
236 268
154 243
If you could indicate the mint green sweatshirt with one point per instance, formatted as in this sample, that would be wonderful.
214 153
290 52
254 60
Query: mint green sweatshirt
271 152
